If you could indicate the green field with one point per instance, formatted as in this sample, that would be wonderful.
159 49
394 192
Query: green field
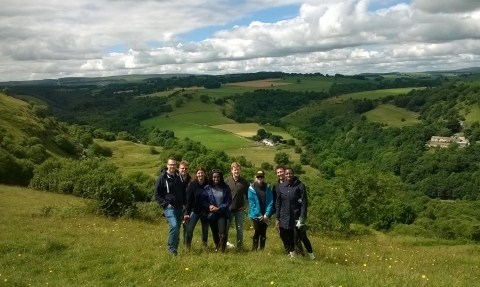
250 129
471 113
132 157
210 137
372 95
260 154
392 116
52 240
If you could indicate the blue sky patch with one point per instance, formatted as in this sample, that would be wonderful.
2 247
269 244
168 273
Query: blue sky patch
270 15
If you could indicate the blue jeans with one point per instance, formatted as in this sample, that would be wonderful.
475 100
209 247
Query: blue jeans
239 215
194 218
174 218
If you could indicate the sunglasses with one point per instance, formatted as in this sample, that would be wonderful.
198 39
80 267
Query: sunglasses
260 176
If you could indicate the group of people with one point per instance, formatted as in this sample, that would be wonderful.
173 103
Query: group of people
217 201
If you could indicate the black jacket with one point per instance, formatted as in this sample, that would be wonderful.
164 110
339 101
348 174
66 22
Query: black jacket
194 197
170 189
276 186
291 203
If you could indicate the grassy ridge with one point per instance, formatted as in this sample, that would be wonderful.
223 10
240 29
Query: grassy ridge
392 116
49 239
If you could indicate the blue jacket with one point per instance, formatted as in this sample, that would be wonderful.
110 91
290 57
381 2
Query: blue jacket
254 211
209 199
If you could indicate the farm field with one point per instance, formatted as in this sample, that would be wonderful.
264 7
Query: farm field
372 95
212 138
52 240
392 116
289 83
132 157
250 129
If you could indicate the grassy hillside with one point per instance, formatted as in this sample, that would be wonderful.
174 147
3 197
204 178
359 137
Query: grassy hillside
372 95
132 157
301 116
17 118
19 123
392 116
471 113
51 240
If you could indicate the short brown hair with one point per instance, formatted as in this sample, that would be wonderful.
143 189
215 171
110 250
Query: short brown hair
280 166
235 165
184 163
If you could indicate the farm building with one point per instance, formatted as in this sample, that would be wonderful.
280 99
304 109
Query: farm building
268 142
445 141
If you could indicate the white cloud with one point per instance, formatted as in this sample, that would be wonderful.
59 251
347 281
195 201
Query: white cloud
53 38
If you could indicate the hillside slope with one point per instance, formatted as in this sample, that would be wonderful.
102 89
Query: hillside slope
20 121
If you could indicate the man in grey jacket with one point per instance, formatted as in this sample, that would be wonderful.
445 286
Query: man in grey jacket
239 188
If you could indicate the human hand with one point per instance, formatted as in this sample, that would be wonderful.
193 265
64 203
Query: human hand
277 225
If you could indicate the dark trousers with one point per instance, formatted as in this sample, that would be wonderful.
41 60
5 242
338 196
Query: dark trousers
288 239
260 234
302 236
219 228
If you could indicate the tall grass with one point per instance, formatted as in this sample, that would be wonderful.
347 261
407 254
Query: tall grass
53 240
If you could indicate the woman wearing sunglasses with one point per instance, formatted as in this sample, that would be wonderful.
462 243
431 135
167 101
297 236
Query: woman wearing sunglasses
217 198
260 198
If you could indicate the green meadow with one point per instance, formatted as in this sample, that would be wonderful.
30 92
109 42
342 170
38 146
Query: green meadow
131 157
392 116
372 95
211 137
250 129
54 240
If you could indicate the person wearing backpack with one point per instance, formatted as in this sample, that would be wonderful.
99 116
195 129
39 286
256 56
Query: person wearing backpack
260 199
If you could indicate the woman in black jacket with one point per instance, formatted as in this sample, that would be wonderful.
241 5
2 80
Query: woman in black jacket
291 213
195 208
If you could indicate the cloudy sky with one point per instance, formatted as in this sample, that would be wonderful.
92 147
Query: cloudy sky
53 38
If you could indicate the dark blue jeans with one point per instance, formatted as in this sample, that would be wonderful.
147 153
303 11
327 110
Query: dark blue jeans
194 218
174 218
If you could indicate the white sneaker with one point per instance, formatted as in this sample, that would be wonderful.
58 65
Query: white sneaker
311 256
292 254
230 245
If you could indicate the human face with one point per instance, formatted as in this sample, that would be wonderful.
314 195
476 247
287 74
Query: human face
200 175
281 174
235 172
171 165
183 170
289 175
260 179
216 178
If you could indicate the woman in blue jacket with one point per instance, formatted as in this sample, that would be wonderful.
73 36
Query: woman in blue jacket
260 198
216 198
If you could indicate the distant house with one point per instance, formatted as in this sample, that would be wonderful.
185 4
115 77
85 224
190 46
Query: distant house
268 142
446 141
462 124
